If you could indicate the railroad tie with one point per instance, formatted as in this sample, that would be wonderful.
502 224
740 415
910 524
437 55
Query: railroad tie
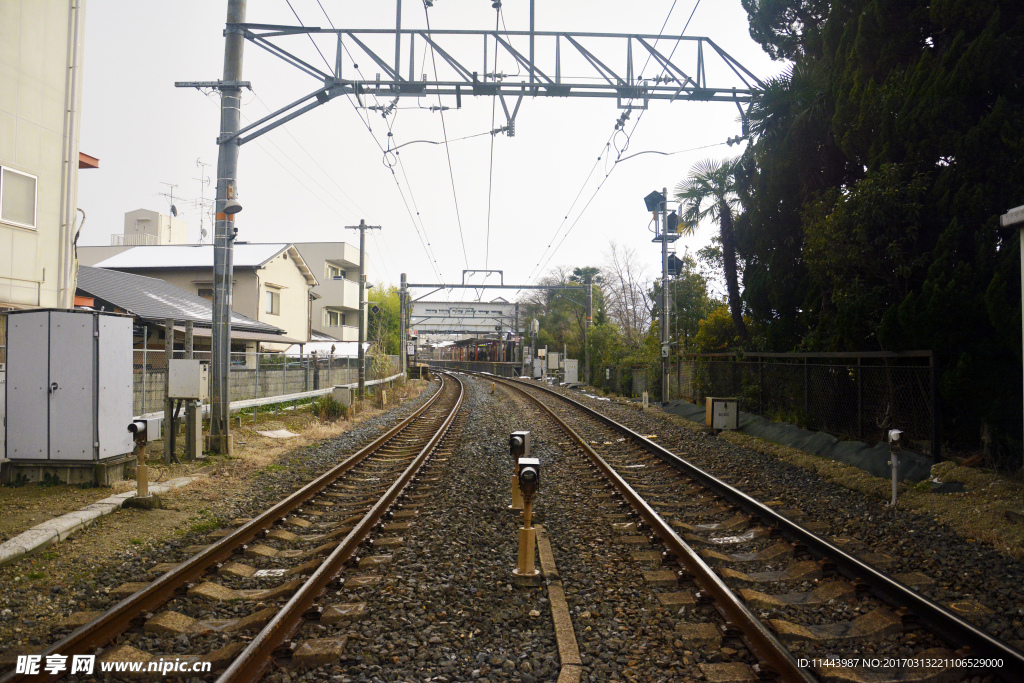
877 624
822 595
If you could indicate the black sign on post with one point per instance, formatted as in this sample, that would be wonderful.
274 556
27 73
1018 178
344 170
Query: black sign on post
675 265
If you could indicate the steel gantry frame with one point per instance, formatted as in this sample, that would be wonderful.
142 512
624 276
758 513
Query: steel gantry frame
598 80
599 77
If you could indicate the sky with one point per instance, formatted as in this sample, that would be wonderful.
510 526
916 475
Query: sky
552 195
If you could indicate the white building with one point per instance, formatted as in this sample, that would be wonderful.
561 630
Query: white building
144 227
41 50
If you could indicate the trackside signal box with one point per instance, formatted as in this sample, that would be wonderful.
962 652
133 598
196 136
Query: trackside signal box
722 413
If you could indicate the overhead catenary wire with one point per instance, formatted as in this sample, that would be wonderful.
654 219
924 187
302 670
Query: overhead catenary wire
448 153
420 229
390 272
619 155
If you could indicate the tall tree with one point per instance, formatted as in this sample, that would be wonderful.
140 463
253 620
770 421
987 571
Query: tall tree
627 282
878 167
709 191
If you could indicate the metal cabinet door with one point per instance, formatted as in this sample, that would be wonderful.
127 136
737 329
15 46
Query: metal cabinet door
115 386
27 410
72 383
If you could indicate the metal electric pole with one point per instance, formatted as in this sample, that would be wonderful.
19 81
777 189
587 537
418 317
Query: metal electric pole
586 329
665 339
224 230
403 323
362 228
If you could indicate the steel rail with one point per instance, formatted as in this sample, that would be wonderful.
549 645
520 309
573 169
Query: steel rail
116 620
773 656
925 611
253 662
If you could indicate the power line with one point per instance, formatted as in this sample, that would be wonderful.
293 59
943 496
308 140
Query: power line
313 159
447 149
620 151
423 237
330 68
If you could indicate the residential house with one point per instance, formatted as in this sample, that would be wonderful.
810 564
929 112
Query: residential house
271 284
152 302
41 50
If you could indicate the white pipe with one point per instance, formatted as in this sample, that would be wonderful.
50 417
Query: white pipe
69 179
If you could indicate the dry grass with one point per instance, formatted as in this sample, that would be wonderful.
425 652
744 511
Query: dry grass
978 513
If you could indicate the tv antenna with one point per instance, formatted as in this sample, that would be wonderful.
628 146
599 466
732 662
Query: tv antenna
203 184
171 186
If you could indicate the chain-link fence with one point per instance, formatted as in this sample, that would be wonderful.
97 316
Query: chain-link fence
625 380
255 375
848 395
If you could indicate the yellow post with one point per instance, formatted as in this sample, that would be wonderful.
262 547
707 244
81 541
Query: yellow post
517 495
142 473
527 541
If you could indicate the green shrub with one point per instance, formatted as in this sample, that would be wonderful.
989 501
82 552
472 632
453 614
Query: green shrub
50 480
328 409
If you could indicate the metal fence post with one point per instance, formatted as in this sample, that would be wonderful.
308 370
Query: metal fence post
936 424
284 378
145 353
256 376
760 385
860 399
807 393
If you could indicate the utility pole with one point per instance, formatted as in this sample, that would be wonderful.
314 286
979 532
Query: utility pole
586 329
224 231
403 322
515 339
362 228
665 339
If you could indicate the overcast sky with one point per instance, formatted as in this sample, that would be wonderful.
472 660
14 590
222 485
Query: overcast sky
308 179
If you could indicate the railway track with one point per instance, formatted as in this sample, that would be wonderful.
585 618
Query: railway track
749 559
283 561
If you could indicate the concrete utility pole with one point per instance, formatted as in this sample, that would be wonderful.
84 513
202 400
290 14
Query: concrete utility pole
224 231
168 401
1011 218
586 329
362 228
665 339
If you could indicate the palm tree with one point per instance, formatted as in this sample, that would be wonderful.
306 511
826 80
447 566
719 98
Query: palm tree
709 191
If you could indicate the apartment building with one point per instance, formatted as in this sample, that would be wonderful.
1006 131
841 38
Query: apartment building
335 311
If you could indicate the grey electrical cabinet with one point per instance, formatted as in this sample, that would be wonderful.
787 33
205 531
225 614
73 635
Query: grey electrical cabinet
69 385
572 371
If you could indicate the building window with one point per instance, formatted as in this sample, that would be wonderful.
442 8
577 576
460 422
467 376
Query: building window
206 293
335 318
273 302
335 273
17 198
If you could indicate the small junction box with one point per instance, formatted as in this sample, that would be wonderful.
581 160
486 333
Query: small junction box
722 413
189 379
